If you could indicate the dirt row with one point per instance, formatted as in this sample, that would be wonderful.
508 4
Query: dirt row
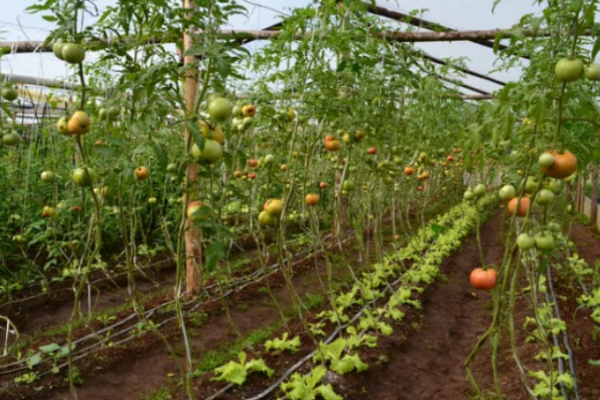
424 358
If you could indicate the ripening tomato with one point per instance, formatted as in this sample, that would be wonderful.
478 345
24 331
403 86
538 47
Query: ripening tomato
283 167
372 150
194 212
484 279
333 145
249 110
79 123
523 206
142 173
48 211
449 158
252 176
311 199
253 163
274 207
419 188
323 185
409 171
76 208
565 165
264 219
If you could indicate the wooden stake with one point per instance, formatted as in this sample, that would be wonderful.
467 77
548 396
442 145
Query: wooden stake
193 245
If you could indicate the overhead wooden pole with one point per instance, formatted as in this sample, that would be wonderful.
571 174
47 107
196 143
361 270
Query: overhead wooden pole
193 245
421 23
246 35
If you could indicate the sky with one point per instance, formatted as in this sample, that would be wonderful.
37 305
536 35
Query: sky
16 25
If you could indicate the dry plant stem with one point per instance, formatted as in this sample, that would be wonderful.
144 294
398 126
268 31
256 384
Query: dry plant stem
226 307
287 275
329 288
511 328
478 228
565 333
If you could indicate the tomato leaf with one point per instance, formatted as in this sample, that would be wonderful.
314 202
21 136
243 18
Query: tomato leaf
161 155
195 130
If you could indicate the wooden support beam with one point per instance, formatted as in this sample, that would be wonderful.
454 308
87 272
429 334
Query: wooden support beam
393 36
474 97
422 23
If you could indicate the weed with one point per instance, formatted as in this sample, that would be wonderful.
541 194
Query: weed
197 320
314 300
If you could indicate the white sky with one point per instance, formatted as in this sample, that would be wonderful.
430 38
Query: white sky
459 14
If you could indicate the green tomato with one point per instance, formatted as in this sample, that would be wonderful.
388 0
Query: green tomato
237 111
83 178
469 195
555 185
269 159
479 190
9 94
554 226
592 72
11 139
525 241
212 153
531 185
348 185
220 109
507 192
544 241
48 176
246 122
546 160
73 53
57 49
172 168
569 70
114 112
545 197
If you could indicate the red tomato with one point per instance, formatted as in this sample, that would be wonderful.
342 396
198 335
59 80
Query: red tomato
484 279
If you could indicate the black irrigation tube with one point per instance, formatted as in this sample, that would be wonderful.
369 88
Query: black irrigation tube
105 278
234 287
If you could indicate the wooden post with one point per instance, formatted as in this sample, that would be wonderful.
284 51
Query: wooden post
193 245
